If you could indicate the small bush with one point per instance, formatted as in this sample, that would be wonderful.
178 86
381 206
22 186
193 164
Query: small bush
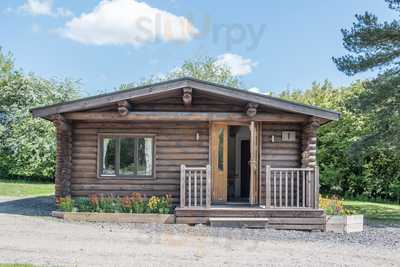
138 203
83 204
109 204
66 204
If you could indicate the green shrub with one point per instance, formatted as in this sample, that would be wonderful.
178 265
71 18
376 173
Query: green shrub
108 204
83 204
66 204
164 207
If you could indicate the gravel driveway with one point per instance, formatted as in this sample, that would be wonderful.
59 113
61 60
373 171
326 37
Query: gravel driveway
42 240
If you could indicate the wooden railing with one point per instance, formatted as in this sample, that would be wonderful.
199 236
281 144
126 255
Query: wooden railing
195 186
292 187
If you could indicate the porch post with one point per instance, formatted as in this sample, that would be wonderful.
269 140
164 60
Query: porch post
183 183
268 186
208 186
63 157
316 202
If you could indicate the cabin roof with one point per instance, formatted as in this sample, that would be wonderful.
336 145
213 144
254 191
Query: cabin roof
170 85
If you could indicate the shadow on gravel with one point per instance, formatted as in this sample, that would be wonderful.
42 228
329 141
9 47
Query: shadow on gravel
32 206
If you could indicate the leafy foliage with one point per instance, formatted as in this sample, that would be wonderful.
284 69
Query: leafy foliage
27 145
203 69
345 171
373 45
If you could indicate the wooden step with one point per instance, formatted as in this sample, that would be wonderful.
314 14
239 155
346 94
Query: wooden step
248 212
238 222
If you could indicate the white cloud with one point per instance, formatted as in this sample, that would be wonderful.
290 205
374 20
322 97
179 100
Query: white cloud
254 89
44 8
238 65
127 22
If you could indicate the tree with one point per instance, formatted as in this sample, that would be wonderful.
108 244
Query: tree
27 145
374 173
203 69
373 45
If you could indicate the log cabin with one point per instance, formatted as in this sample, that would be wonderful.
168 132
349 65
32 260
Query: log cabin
220 152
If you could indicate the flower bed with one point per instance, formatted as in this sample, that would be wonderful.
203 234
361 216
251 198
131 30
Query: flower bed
339 219
129 209
136 203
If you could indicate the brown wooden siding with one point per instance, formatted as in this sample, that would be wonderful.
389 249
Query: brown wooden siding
175 144
278 153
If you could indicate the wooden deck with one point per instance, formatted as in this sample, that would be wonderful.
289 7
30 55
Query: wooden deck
278 218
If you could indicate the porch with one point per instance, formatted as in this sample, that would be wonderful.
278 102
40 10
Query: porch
288 198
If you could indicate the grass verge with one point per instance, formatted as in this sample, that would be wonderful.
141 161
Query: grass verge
387 213
19 188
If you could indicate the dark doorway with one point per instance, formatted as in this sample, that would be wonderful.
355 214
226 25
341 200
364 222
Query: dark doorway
245 169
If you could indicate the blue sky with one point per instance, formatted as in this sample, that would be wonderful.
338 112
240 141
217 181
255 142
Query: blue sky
271 45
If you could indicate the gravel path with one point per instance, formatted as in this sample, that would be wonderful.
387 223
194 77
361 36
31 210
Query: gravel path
44 240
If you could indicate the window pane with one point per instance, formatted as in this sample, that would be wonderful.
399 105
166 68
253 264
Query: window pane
109 145
221 149
145 156
128 156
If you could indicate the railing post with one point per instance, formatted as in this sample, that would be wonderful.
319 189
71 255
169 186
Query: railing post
208 186
267 186
316 183
183 183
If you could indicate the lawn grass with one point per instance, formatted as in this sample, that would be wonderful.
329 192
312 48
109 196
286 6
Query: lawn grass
19 188
15 265
389 213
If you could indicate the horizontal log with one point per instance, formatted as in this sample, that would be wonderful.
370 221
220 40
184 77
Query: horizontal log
182 116
179 137
117 181
182 150
83 156
76 151
78 193
283 151
192 143
92 143
282 127
168 156
267 146
124 187
189 163
281 157
280 164
141 125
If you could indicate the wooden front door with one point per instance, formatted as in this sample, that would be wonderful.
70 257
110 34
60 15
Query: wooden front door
219 162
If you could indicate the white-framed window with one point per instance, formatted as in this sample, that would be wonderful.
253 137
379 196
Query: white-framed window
288 136
126 156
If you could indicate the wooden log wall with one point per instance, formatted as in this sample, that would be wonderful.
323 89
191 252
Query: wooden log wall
277 153
175 144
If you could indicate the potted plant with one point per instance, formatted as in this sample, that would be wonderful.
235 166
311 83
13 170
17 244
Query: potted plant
338 218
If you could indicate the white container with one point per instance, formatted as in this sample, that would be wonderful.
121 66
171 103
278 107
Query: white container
344 224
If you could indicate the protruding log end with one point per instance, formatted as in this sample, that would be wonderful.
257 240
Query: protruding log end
124 107
187 96
123 111
251 110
